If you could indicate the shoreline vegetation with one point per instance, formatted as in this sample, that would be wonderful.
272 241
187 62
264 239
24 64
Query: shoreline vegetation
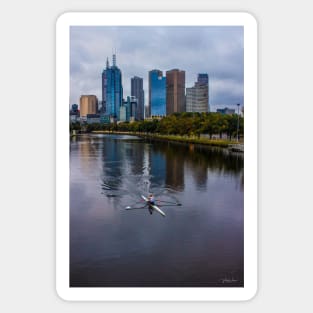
177 138
214 129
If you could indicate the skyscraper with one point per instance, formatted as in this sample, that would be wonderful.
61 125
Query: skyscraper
203 78
88 105
138 93
104 87
114 89
130 105
197 97
157 93
175 91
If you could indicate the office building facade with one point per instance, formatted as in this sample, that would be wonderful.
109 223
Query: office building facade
123 113
104 87
74 113
138 93
203 78
129 109
197 97
175 91
113 89
88 105
157 94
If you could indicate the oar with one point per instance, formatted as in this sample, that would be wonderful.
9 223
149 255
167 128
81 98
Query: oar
130 208
176 203
166 205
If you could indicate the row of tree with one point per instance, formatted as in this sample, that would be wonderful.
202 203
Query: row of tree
184 124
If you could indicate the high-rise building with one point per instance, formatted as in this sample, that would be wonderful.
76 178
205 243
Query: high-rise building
114 89
175 91
203 78
74 108
104 87
88 105
123 113
74 113
197 97
147 110
130 105
138 93
157 94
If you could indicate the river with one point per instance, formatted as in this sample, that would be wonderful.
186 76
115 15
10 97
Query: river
197 244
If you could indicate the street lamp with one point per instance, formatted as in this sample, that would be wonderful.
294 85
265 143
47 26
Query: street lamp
238 105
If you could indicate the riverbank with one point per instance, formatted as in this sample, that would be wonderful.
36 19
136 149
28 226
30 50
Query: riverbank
175 138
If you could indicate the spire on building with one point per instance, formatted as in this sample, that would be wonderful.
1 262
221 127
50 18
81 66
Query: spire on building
114 59
107 63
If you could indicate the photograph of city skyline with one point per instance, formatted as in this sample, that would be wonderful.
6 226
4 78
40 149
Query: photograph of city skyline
156 126
138 55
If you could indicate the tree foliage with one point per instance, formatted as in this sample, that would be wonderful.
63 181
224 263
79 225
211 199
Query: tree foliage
183 124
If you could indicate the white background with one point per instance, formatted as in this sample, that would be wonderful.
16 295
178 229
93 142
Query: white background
27 158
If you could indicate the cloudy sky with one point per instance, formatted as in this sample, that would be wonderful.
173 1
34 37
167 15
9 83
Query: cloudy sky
217 51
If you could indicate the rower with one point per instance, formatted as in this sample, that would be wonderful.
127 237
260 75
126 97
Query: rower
151 199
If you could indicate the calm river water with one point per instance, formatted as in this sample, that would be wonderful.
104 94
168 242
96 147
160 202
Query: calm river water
199 243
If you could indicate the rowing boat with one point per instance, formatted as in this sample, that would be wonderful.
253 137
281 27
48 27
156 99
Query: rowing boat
153 206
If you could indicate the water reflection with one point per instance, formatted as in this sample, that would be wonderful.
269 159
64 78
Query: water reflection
149 166
197 244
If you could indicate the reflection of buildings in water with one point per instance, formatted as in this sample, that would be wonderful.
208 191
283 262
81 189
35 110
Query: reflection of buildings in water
242 180
73 139
158 167
198 165
146 161
111 164
175 171
216 160
132 167
135 155
87 152
154 168
146 169
199 173
138 172
167 165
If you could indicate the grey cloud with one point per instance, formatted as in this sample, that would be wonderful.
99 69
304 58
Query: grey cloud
217 51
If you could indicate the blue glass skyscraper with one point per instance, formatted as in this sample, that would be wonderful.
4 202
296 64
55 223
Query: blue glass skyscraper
157 93
114 89
104 88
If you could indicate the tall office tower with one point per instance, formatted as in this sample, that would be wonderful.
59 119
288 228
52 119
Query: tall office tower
74 113
131 106
157 93
197 97
88 105
147 114
104 87
123 113
74 108
114 89
138 93
203 78
175 91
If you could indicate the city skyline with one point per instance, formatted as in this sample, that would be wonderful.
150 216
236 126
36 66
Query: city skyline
217 51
